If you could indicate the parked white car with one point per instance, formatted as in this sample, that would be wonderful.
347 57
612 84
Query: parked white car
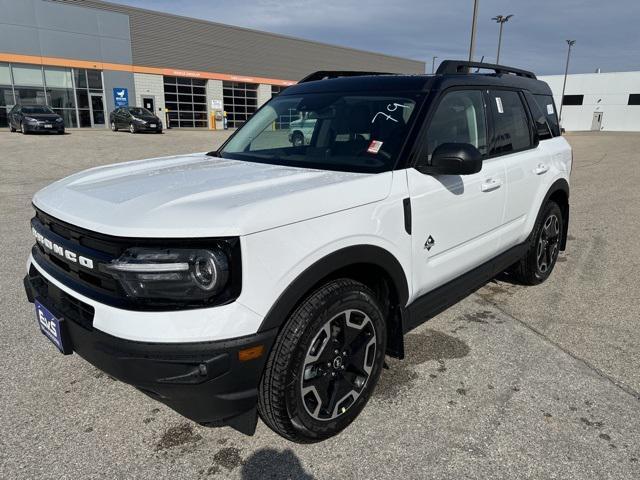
272 279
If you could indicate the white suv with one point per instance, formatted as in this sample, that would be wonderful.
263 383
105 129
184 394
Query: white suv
270 278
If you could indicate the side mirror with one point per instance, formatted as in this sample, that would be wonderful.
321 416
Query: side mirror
454 159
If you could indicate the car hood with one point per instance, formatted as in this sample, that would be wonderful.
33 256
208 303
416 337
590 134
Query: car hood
42 116
202 196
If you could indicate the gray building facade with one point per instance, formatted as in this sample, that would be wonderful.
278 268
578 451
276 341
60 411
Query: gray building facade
189 71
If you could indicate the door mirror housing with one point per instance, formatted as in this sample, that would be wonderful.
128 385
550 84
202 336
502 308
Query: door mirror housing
454 159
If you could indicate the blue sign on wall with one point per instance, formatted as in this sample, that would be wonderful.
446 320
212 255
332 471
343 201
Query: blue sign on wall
120 97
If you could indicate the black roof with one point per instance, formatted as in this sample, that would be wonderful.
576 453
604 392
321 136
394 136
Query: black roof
450 73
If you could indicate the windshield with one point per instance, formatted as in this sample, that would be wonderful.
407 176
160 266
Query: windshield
140 111
329 131
36 109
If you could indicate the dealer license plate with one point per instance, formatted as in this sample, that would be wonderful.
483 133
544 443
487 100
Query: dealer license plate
51 327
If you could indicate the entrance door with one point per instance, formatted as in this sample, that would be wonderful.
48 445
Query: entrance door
596 123
149 104
97 110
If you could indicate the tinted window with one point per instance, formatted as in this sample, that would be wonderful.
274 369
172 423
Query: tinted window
634 99
572 100
539 118
459 118
36 109
512 132
545 102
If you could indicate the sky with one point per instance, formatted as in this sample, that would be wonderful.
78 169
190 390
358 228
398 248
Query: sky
607 32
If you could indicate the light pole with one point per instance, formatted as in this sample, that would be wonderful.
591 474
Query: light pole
433 65
501 19
474 21
571 43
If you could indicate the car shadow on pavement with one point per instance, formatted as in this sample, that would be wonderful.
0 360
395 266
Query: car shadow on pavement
272 463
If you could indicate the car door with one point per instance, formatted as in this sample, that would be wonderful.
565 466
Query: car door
456 219
524 158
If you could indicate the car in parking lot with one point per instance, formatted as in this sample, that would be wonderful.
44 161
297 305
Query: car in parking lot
268 278
301 129
35 118
134 119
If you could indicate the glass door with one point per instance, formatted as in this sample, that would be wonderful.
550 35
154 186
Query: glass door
97 110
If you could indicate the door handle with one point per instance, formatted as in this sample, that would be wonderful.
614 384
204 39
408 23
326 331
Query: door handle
490 185
541 169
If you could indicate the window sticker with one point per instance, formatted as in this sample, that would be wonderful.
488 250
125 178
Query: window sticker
374 146
550 109
499 105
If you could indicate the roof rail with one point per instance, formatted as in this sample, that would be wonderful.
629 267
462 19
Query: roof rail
461 66
327 74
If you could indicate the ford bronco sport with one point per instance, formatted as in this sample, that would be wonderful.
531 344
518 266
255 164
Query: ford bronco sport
272 277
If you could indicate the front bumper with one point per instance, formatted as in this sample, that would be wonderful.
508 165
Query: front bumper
40 127
206 382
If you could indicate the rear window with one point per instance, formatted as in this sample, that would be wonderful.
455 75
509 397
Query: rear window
548 107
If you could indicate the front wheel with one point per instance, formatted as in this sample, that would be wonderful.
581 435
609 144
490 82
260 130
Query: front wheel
132 128
23 129
324 364
537 264
297 139
114 127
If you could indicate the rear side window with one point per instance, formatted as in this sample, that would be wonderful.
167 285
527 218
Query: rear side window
545 102
539 118
511 123
459 118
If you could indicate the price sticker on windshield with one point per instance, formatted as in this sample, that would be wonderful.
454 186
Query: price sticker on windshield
499 105
374 146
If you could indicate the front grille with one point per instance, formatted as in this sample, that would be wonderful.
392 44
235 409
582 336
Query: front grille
101 248
63 304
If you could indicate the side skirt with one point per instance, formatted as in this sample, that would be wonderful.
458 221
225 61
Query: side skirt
436 301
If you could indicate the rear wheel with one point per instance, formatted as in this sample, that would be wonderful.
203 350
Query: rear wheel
325 363
11 129
537 264
297 139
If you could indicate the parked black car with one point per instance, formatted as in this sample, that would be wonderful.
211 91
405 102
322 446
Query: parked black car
35 118
134 119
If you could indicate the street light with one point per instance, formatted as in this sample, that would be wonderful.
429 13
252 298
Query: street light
433 65
571 43
501 19
474 21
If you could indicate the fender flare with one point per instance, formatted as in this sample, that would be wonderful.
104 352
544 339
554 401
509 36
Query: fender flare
559 185
345 257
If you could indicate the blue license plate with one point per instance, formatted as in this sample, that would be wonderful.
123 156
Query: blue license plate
51 327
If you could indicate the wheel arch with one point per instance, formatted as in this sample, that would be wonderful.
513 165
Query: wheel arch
559 193
371 265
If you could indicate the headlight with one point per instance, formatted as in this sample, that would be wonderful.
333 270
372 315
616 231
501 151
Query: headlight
171 274
59 120
139 120
30 120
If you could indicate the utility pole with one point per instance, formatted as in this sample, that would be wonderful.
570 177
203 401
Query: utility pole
474 22
571 43
433 65
501 19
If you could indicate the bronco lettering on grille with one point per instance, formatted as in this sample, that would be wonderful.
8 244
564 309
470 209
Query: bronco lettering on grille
59 250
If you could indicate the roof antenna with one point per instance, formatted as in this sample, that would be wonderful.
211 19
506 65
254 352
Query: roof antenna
481 60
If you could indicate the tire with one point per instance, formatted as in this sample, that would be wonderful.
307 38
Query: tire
11 129
297 139
61 132
132 128
114 127
540 259
333 342
23 130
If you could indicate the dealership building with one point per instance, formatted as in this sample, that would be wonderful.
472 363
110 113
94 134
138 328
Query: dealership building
84 58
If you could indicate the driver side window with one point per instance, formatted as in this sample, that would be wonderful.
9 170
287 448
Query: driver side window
459 118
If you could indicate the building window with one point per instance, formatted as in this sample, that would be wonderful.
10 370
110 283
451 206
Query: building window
276 89
186 102
634 99
572 100
240 101
6 94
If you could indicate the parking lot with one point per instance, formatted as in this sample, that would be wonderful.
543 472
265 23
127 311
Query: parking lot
513 382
